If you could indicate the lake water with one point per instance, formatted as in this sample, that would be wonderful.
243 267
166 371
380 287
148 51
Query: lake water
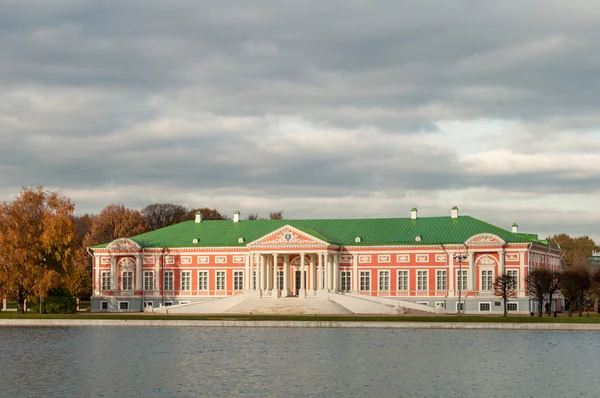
220 362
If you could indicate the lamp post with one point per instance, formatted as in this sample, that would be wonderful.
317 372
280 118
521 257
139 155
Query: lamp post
460 257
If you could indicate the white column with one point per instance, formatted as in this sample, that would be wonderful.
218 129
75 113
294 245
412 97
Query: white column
138 272
320 273
261 272
246 272
313 279
156 270
501 263
275 291
327 272
472 277
336 272
355 276
286 275
302 292
113 273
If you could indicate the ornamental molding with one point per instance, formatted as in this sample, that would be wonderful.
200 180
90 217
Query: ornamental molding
485 239
287 236
123 244
487 260
126 262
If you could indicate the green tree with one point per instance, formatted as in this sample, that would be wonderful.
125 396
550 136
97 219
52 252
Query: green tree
505 287
37 243
577 251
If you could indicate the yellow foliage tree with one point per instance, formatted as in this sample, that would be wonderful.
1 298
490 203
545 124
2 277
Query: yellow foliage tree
37 243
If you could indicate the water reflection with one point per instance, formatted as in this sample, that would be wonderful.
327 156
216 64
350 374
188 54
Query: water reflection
180 362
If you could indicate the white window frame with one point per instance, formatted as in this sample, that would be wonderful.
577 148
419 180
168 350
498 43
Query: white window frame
148 276
280 279
148 304
168 303
486 280
403 276
185 281
384 276
465 279
203 281
444 275
125 303
462 306
127 282
422 284
515 274
105 282
488 303
345 280
365 281
238 280
169 281
423 303
440 304
515 303
220 280
104 305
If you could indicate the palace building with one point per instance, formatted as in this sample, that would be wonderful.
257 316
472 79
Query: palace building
379 265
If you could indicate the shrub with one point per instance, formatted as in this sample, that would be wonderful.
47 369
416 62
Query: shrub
60 301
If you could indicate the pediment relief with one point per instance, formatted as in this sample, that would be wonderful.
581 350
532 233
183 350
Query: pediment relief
127 262
123 244
486 260
288 236
485 238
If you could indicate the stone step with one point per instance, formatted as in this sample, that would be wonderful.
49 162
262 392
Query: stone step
288 306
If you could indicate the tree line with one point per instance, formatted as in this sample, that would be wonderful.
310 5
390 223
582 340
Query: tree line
43 243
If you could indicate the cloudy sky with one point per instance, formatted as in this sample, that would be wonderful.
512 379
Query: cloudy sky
321 109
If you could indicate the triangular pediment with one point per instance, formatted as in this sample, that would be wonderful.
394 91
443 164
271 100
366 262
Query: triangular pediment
288 236
485 239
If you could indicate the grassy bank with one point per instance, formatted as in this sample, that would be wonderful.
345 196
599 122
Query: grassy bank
562 318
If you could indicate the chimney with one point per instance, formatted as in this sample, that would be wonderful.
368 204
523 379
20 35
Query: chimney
198 217
515 228
413 213
454 212
236 216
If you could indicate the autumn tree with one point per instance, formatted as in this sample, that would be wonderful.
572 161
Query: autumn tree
83 224
160 215
505 287
577 250
207 214
553 287
538 283
277 215
575 283
114 221
37 243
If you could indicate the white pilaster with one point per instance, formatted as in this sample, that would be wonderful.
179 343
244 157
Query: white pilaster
336 272
312 285
286 275
501 262
138 271
320 272
471 282
521 291
113 273
261 272
97 276
451 276
355 277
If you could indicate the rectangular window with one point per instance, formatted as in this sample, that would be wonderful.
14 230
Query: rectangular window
346 281
148 280
280 280
104 305
254 287
105 280
384 280
487 279
365 281
148 305
515 274
220 280
460 307
186 280
168 284
238 280
512 306
123 305
485 307
403 280
202 280
127 280
461 280
422 280
440 280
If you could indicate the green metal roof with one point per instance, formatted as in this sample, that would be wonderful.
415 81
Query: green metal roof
372 231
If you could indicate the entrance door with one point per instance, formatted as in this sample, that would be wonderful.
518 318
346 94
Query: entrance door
297 282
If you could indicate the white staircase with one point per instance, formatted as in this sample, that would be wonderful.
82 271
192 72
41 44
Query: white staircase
288 306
